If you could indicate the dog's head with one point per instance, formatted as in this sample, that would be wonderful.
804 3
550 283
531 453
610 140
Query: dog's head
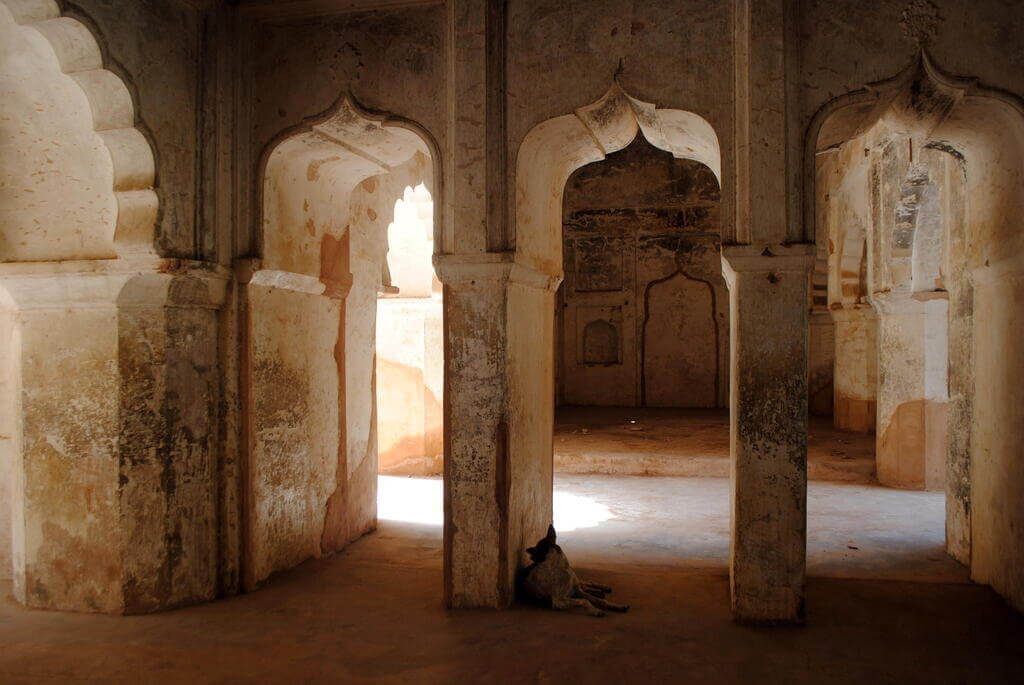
539 552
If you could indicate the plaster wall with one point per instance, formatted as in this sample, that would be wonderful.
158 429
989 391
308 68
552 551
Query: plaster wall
115 366
856 369
56 175
989 135
294 460
821 352
845 44
640 251
168 73
410 378
563 55
311 315
390 60
410 344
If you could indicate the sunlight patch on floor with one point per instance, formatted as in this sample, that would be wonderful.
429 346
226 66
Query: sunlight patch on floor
419 500
413 500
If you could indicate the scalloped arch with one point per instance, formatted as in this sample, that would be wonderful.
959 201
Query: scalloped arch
352 143
77 56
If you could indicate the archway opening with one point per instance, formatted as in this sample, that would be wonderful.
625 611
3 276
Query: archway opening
884 348
916 192
587 336
410 368
331 190
641 429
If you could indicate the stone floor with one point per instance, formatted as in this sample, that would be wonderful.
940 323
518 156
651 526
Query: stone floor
893 610
689 442
853 530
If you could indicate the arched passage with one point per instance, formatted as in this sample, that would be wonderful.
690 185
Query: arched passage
328 194
939 163
548 155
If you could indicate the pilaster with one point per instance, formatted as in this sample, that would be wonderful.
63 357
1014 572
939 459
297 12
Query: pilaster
856 368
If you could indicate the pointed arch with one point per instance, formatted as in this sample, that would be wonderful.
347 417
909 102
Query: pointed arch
548 155
326 194
555 148
972 139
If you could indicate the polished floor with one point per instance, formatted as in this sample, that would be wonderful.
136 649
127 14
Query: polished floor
883 605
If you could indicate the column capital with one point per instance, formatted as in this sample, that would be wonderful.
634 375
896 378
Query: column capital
534 278
452 269
906 302
854 312
793 258
117 283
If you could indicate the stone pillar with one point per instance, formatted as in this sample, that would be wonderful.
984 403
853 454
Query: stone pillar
856 368
821 363
476 466
768 307
474 270
113 428
910 448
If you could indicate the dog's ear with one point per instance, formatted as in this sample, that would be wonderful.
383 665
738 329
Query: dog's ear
551 534
539 553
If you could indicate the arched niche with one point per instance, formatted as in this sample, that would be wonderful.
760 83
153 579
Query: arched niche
960 146
327 194
71 122
548 155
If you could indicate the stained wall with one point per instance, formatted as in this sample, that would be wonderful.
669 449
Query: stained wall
643 311
564 55
171 74
311 326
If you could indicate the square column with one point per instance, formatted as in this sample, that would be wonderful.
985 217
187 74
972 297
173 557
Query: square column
477 563
111 412
856 368
768 308
913 353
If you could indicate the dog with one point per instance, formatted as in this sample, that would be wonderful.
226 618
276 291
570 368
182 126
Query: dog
550 579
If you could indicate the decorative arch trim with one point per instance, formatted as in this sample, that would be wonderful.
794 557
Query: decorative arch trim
378 139
555 148
79 57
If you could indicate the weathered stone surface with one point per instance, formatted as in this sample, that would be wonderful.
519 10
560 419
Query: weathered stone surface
208 442
768 412
114 442
640 250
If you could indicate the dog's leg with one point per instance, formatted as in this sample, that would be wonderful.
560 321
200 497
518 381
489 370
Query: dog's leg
595 589
570 603
605 604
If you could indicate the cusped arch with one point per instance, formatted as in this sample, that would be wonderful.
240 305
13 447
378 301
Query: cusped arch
63 49
916 101
555 148
982 132
331 153
548 155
